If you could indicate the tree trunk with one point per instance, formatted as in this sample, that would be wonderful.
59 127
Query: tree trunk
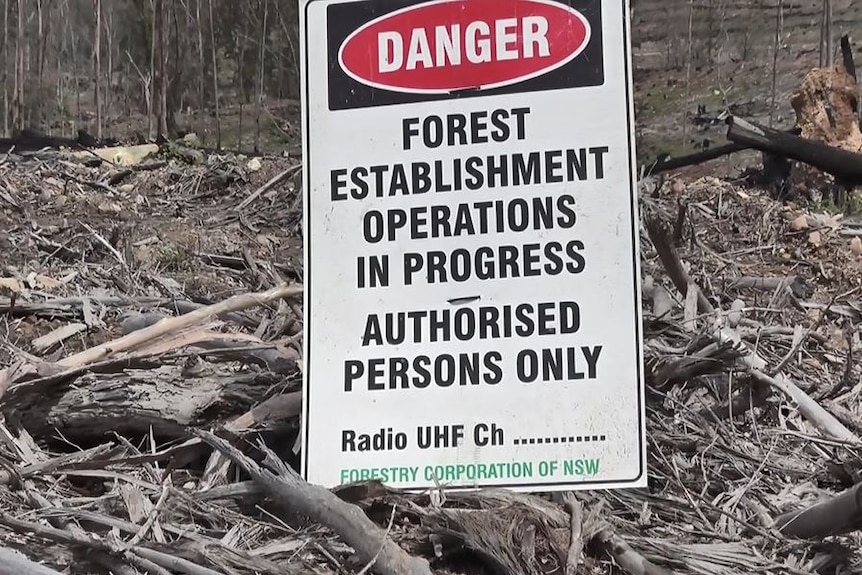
18 103
153 85
775 47
845 165
161 84
109 71
830 46
173 102
688 74
75 76
261 61
201 61
6 68
163 77
61 58
97 66
242 84
41 41
215 77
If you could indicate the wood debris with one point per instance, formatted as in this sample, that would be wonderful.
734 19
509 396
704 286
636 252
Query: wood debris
150 365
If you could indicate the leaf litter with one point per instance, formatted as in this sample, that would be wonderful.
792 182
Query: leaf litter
150 340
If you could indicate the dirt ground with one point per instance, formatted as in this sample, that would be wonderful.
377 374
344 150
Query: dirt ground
152 235
743 431
727 456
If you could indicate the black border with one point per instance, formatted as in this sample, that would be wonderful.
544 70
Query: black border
345 92
633 189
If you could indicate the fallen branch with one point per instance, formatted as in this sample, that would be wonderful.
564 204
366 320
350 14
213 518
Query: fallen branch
52 464
138 556
240 264
72 306
696 158
810 409
14 563
163 327
757 366
796 284
672 264
118 177
278 178
836 516
846 166
713 358
576 545
324 507
274 409
168 325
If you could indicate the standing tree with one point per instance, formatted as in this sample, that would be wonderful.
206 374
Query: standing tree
826 42
215 77
97 65
242 95
161 81
18 98
70 63
6 68
261 67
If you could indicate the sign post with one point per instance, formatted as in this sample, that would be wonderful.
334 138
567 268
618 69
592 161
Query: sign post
471 237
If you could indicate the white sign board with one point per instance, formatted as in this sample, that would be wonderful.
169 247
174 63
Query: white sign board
472 279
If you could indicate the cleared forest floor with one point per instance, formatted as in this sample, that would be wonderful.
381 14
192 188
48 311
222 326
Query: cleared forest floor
733 46
107 464
110 451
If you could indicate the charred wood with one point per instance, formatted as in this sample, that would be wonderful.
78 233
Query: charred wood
844 165
667 163
847 57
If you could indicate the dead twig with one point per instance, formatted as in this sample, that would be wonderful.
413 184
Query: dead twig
323 506
277 179
163 327
139 536
576 546
630 560
758 367
139 556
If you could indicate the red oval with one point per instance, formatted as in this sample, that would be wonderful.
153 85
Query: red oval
451 45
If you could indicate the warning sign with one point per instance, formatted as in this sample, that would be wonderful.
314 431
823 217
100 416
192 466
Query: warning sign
472 279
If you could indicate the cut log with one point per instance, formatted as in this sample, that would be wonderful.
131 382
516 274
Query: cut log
836 516
124 156
846 166
166 400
